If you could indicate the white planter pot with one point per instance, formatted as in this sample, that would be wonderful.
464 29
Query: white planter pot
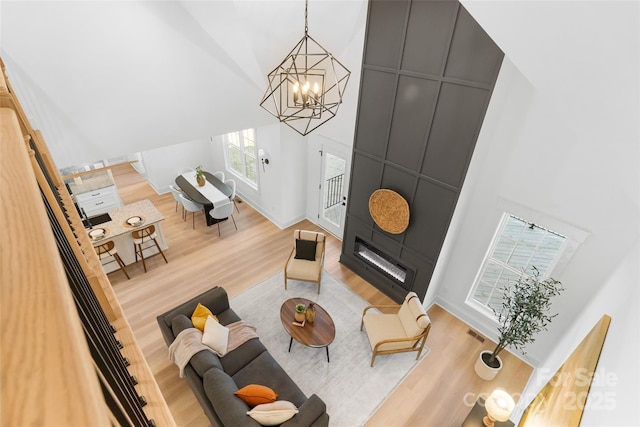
484 371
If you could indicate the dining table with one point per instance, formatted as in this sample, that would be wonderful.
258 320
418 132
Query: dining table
212 194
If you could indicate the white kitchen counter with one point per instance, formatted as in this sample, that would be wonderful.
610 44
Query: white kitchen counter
120 232
91 182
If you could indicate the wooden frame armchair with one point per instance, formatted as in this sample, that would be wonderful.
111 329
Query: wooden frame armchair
403 331
306 259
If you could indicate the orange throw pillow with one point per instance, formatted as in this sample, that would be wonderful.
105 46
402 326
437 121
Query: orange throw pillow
256 394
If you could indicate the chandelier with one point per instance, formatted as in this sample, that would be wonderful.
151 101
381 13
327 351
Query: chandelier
306 89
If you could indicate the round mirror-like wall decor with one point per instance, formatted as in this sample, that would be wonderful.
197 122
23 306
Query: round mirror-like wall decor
389 210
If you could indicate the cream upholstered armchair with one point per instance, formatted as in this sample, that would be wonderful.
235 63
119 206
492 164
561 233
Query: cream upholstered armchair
306 259
403 331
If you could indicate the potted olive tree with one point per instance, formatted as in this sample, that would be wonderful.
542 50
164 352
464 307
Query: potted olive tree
525 312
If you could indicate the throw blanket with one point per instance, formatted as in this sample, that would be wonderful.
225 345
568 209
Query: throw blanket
189 342
239 333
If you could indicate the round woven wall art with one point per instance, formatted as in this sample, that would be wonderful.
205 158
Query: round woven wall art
389 210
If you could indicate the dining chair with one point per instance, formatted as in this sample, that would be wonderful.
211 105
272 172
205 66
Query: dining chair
190 206
219 175
142 236
221 212
176 195
108 249
232 184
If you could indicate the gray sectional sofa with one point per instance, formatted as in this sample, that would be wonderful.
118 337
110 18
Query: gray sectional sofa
214 379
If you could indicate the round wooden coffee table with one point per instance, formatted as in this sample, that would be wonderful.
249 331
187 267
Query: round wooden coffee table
320 333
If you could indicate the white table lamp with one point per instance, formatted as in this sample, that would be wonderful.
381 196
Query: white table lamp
499 406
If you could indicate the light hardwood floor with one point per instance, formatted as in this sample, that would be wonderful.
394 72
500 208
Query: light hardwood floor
439 391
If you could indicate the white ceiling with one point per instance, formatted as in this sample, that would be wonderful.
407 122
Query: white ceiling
103 79
583 57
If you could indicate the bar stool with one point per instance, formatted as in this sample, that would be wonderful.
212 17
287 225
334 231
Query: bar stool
108 249
141 236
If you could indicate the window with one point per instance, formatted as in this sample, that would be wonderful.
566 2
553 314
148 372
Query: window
240 155
517 248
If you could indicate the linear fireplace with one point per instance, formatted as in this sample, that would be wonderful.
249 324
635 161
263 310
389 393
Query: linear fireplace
383 263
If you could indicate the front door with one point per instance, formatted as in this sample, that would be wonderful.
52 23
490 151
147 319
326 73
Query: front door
333 186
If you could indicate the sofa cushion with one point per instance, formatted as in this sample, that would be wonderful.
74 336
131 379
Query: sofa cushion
220 389
273 414
313 412
204 360
215 336
180 323
238 358
200 315
227 317
266 371
256 394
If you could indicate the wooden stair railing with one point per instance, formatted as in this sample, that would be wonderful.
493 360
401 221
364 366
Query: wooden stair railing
52 372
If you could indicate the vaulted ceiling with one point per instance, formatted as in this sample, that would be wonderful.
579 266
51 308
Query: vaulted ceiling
105 78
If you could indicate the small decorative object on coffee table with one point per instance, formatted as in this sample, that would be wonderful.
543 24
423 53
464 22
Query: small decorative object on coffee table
300 313
311 312
320 333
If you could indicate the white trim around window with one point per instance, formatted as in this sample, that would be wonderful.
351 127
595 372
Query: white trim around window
241 155
543 238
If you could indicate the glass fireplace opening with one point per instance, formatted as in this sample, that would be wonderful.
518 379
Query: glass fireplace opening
381 261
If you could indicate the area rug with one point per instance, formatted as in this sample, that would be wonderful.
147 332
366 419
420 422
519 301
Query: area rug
351 389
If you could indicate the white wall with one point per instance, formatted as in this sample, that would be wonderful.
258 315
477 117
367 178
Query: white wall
554 177
565 151
615 397
281 191
162 164
614 394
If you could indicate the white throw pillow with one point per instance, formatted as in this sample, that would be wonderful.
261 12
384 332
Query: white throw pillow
215 336
273 414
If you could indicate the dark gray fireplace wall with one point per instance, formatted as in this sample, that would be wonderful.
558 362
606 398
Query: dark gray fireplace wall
427 76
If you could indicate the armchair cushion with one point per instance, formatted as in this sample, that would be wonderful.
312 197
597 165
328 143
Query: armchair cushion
412 315
385 327
300 269
306 249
